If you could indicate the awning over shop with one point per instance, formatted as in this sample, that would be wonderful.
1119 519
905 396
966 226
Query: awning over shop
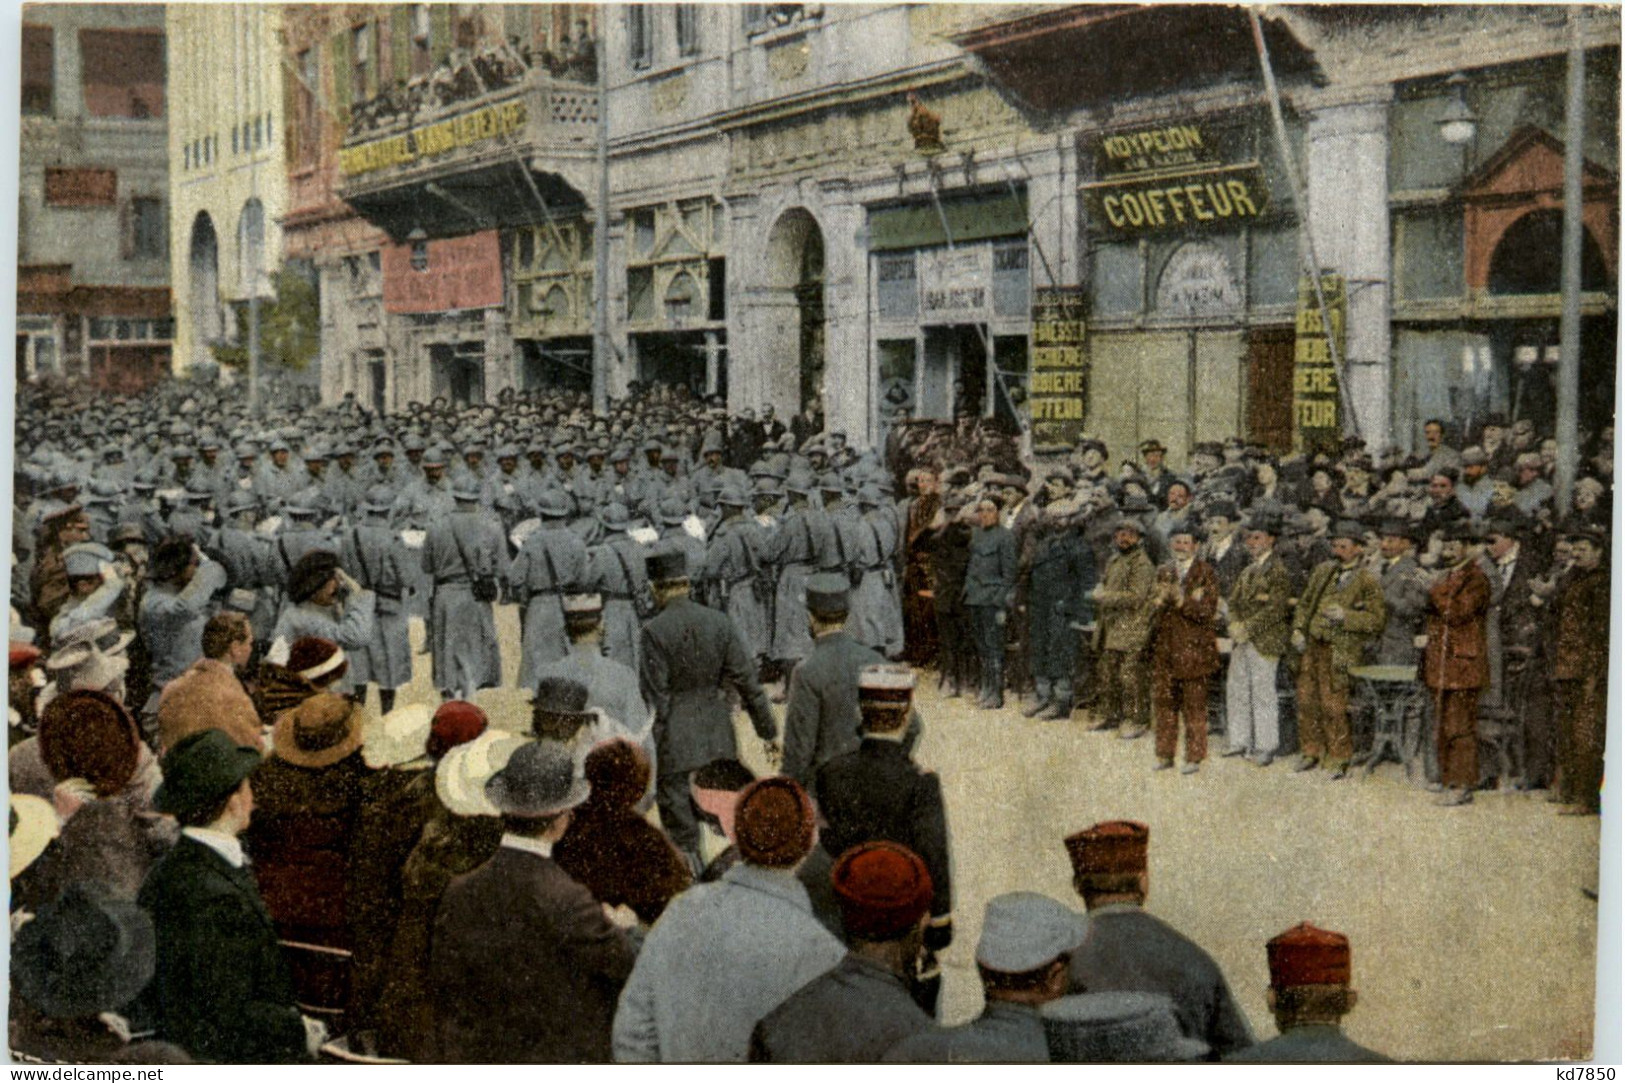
974 216
495 195
1083 55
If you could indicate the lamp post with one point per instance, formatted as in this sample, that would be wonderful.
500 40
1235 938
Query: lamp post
1568 363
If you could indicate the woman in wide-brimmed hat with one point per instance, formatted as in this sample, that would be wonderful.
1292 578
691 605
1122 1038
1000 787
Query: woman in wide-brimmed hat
306 799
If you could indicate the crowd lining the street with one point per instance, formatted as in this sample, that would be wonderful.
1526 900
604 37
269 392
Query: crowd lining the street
231 843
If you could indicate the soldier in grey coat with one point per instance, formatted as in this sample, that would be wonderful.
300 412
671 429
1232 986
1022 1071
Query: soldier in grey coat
691 657
247 558
174 609
877 616
462 630
375 555
1309 995
800 545
822 720
551 564
617 574
733 562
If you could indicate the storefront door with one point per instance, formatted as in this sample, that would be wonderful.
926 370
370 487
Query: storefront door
953 380
1269 387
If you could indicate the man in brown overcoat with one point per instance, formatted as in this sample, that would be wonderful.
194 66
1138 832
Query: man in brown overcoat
1184 649
1455 664
1123 605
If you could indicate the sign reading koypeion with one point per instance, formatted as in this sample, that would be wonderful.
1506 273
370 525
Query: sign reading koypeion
1171 177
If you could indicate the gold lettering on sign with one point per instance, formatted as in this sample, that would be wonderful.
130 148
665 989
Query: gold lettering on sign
433 140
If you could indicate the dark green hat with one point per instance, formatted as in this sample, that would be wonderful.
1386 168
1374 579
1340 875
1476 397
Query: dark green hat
201 771
828 595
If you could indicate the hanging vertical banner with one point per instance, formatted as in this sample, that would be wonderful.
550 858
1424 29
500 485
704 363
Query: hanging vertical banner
1315 422
1059 381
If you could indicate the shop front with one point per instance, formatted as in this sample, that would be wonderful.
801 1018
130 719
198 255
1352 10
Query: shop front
677 309
1193 265
950 298
444 300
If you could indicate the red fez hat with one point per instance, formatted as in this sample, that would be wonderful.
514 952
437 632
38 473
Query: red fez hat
1305 955
774 822
23 654
456 722
1116 846
883 890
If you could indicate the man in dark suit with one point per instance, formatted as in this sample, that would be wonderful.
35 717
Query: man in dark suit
1309 995
990 591
1518 692
1184 649
539 985
821 721
854 1013
1128 950
691 655
222 989
878 792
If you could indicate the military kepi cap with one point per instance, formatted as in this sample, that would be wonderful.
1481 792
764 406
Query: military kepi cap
1115 846
201 771
1305 955
885 686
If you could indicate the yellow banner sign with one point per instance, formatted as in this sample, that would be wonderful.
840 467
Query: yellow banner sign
1220 196
1058 380
1315 421
435 139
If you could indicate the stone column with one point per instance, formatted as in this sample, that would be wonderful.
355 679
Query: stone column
848 377
1347 181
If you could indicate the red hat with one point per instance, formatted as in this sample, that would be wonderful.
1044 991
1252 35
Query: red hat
1305 955
23 655
320 661
456 722
89 735
618 771
774 822
884 890
1115 846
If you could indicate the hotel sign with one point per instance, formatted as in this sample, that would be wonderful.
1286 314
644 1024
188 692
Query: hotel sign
1171 177
433 140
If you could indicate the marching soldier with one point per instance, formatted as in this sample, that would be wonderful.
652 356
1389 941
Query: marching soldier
618 576
731 571
800 543
465 557
551 564
375 556
1341 609
877 618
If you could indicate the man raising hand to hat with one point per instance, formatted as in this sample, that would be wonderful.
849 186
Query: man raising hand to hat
1309 995
325 603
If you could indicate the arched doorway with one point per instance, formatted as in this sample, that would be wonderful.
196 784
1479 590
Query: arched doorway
203 269
1528 260
795 250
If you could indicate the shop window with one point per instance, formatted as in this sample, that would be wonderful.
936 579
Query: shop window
1417 157
123 72
897 287
639 36
1011 280
1272 266
1198 278
148 228
1428 251
1116 278
527 249
687 18
640 287
39 71
682 297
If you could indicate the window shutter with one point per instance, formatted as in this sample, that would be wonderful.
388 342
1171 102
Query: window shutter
400 42
341 76
126 229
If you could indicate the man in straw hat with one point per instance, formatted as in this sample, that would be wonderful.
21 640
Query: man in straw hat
1309 995
855 1012
761 941
1023 958
540 985
691 656
1128 949
1339 612
222 990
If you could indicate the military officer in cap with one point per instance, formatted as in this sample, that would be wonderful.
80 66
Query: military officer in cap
551 564
1309 995
465 556
1024 958
877 791
691 657
822 721
1340 611
1127 949
379 561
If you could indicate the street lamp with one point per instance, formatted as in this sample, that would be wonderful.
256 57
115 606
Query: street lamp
1457 124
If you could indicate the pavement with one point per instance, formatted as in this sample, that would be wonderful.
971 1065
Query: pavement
1471 934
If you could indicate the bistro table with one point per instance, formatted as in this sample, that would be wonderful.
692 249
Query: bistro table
1398 703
